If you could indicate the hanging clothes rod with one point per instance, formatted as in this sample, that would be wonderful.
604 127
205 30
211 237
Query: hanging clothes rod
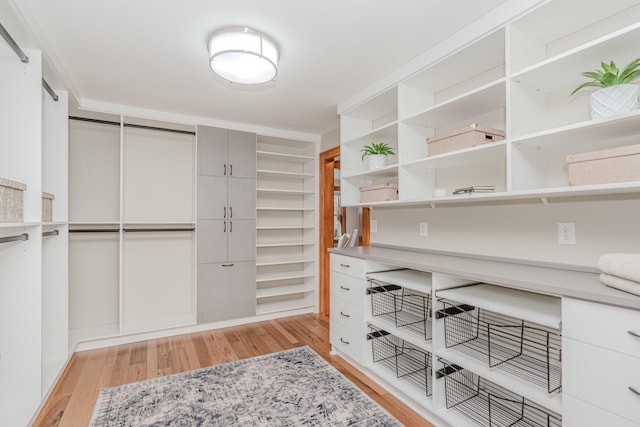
13 45
50 233
132 125
23 236
50 91
144 230
95 230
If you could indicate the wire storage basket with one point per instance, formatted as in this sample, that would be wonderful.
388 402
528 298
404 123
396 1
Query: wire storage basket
489 404
522 348
408 362
404 307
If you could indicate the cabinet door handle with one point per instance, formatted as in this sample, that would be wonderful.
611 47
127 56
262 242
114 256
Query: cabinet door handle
230 226
344 288
225 169
634 390
230 211
227 265
345 265
344 315
343 341
230 170
634 334
225 227
224 215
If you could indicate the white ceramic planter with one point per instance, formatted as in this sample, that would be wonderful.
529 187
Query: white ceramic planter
376 161
613 100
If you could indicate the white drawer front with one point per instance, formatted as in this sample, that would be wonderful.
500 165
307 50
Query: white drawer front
348 342
352 266
602 325
348 315
602 377
577 413
349 288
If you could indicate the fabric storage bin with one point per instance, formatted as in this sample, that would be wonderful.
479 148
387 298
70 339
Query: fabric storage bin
47 207
619 164
379 193
460 139
11 200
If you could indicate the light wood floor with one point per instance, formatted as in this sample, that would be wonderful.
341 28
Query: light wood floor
71 403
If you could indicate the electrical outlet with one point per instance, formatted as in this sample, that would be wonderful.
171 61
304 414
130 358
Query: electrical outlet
424 229
567 233
374 226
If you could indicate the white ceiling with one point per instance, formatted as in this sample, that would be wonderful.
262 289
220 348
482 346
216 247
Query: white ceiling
152 54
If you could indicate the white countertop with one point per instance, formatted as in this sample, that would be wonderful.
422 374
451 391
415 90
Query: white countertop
549 279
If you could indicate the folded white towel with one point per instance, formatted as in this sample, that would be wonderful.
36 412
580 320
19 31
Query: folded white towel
622 265
620 283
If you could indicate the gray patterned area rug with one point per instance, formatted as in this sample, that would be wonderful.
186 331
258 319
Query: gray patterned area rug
290 388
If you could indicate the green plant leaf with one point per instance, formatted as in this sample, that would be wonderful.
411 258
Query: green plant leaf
377 148
611 75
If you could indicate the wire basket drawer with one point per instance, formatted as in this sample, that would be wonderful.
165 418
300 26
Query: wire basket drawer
407 362
489 404
522 348
404 307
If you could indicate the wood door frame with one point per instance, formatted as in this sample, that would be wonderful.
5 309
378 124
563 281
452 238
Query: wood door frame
325 233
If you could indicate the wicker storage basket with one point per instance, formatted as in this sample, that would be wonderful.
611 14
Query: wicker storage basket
460 139
11 200
47 207
620 164
379 193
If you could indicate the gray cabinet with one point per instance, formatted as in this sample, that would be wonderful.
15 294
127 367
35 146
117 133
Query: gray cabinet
226 224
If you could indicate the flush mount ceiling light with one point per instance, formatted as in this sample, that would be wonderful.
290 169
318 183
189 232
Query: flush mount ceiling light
243 55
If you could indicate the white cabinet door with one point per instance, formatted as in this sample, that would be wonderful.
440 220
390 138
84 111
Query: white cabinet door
212 151
212 197
212 241
242 155
241 198
241 240
578 413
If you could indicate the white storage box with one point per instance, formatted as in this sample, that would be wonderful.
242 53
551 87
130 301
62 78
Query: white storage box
379 193
619 164
11 200
460 139
47 207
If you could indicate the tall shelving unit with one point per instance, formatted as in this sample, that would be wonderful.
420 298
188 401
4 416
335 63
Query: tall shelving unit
33 257
132 221
286 225
518 79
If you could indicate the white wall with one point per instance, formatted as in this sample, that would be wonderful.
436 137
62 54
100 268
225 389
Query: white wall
523 230
329 140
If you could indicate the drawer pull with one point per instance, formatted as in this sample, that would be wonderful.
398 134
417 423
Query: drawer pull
345 265
344 342
344 315
348 289
634 334
634 390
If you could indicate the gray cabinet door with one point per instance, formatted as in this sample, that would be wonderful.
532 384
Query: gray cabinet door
241 244
242 154
212 197
226 291
213 151
212 241
241 198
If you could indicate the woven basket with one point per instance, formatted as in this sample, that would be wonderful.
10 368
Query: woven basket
11 200
47 207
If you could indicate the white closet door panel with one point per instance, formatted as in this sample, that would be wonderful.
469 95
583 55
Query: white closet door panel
242 240
212 241
242 154
158 176
212 197
242 198
158 280
94 172
578 413
93 280
226 291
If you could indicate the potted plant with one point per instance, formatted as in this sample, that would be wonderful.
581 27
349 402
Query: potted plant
617 94
377 153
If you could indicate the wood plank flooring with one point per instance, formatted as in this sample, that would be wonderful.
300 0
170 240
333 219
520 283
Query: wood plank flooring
71 403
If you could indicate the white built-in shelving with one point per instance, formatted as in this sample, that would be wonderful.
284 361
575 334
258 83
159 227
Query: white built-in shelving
518 78
286 225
